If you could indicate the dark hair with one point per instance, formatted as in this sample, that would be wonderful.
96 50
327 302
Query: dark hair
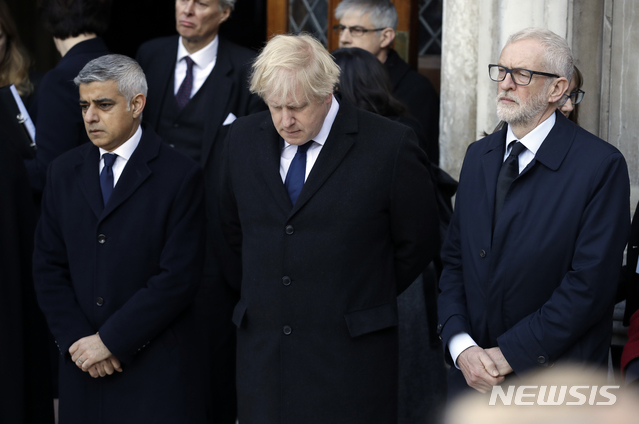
364 82
70 18
579 80
14 65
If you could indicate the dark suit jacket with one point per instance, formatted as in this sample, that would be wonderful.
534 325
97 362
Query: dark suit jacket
58 121
419 95
317 321
541 286
230 75
129 270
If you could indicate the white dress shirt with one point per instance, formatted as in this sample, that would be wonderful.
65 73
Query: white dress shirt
123 153
532 142
204 62
289 150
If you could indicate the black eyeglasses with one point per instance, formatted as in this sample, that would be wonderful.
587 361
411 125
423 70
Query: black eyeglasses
356 31
519 76
575 97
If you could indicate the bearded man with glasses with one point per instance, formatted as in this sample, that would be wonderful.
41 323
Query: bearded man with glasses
536 241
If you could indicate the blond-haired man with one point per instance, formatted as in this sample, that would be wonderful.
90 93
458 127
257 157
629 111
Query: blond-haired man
332 212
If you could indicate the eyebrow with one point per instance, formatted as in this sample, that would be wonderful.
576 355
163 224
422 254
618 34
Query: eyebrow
100 100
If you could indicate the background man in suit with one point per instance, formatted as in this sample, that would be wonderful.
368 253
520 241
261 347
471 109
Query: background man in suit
76 27
371 25
536 241
332 213
118 260
198 84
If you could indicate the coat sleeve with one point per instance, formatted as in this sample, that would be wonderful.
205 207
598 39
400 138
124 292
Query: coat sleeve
169 292
52 277
588 290
413 214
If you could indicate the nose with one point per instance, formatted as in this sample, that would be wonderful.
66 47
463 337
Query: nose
507 83
288 118
188 8
90 116
345 38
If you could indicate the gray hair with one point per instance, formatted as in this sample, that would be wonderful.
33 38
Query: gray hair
226 4
115 67
557 57
381 13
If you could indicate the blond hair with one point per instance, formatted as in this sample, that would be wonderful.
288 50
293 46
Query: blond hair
291 61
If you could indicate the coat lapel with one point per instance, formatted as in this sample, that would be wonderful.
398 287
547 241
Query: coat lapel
221 78
88 177
159 79
491 163
135 172
269 154
333 152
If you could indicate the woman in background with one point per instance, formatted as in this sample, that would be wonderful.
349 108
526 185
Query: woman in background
14 60
574 95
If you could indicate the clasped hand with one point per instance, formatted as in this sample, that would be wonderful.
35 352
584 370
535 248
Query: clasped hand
92 356
483 368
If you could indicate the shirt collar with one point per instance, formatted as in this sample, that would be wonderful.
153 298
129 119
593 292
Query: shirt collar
532 141
127 148
321 137
203 57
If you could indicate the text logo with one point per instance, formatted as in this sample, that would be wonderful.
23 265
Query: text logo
553 395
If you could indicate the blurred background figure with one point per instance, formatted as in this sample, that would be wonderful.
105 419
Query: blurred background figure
26 391
371 25
363 82
76 27
574 96
14 59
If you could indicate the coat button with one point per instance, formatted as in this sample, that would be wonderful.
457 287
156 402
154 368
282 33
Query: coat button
286 281
439 327
541 359
287 330
99 301
482 253
101 239
289 229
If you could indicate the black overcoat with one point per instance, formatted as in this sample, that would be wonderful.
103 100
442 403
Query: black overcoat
317 319
129 271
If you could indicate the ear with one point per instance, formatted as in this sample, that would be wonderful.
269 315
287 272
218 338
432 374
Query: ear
137 105
225 14
386 38
557 89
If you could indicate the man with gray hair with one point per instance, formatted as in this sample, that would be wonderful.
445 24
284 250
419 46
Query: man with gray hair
536 242
371 25
331 214
118 260
198 85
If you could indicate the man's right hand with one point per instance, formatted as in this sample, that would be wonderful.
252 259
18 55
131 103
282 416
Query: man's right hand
105 367
479 370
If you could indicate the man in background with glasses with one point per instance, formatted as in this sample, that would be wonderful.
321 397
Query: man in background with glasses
371 25
541 218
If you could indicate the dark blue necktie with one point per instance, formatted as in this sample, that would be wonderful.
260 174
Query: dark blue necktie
509 171
106 176
296 172
184 92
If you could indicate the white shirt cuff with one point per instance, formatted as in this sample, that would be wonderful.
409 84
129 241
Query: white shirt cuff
459 343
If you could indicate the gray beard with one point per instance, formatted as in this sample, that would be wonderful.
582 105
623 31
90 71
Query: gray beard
522 114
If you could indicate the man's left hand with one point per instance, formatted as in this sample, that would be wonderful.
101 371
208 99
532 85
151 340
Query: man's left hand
88 351
500 361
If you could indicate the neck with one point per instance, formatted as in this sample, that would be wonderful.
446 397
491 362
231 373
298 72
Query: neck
382 55
67 44
523 129
193 46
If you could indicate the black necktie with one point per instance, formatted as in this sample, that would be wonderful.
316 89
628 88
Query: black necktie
106 176
297 172
509 171
184 92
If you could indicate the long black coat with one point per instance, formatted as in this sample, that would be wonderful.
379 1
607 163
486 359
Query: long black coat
230 75
129 270
317 321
